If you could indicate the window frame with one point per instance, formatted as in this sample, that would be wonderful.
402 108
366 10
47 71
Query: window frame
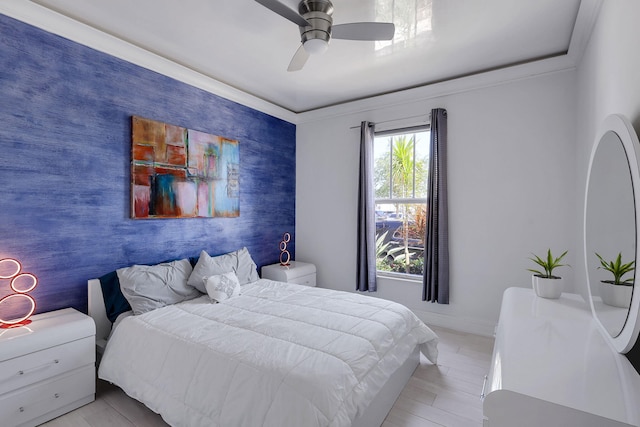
401 200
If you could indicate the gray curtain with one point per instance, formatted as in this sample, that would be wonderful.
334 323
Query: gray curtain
366 274
436 247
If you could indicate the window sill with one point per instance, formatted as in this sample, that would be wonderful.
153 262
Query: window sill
413 278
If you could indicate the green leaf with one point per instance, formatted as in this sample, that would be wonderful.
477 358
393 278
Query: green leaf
616 268
548 264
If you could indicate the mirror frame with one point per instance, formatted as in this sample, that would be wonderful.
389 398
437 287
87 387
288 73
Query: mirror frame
620 125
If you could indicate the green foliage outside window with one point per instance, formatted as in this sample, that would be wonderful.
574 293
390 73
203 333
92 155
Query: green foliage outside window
400 181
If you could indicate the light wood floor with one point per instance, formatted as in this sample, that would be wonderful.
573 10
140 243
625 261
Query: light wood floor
444 395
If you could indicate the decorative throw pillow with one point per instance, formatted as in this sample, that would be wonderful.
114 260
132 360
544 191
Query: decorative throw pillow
240 262
222 286
147 287
210 266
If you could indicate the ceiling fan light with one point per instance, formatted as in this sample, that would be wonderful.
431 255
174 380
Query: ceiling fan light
316 46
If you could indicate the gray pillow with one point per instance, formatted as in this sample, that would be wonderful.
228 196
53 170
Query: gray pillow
247 270
147 287
240 262
210 266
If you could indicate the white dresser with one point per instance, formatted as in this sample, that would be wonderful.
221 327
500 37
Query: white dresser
47 368
552 366
302 273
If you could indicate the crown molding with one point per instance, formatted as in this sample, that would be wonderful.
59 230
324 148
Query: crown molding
445 88
56 23
583 28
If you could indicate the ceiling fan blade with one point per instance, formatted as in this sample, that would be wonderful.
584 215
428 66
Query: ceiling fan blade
299 59
364 31
284 11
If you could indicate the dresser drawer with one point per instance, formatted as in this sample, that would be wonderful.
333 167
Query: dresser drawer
46 330
36 401
308 280
37 366
302 273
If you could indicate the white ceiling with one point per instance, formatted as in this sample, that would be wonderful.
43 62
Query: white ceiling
246 46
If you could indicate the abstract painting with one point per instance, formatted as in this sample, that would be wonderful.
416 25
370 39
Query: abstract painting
182 173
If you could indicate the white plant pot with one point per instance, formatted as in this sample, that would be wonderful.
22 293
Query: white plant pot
616 295
547 287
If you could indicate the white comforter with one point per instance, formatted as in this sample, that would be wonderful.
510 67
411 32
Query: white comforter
278 355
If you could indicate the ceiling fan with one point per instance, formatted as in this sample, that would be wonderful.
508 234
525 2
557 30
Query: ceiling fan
317 29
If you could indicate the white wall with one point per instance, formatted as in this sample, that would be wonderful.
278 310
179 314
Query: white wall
608 81
511 184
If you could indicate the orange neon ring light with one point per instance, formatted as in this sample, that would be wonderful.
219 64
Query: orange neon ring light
21 320
14 261
30 288
285 256
19 293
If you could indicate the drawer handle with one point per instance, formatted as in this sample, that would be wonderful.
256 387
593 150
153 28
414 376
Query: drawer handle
484 385
37 402
37 368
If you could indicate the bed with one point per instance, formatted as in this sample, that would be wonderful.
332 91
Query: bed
274 355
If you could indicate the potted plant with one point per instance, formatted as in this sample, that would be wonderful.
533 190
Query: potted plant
616 292
545 284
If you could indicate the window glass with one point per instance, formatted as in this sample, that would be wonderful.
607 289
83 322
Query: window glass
400 180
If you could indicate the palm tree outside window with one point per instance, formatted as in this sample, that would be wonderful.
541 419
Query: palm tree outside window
401 159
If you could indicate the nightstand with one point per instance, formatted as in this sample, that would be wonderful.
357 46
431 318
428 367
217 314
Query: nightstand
47 368
302 273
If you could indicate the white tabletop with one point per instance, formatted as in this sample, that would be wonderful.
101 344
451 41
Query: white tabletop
554 350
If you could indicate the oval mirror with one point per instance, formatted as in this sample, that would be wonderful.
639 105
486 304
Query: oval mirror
611 229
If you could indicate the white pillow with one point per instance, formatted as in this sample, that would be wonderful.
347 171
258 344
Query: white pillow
240 262
147 287
247 270
210 266
222 286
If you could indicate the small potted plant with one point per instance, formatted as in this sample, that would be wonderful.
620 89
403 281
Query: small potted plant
616 292
545 284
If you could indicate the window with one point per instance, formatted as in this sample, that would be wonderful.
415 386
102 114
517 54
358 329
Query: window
401 160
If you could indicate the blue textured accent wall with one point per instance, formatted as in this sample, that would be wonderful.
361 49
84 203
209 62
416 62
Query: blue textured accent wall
65 138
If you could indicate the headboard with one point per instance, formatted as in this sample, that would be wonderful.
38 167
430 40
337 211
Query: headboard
98 312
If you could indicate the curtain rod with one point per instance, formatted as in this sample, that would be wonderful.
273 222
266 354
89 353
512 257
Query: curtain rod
395 120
